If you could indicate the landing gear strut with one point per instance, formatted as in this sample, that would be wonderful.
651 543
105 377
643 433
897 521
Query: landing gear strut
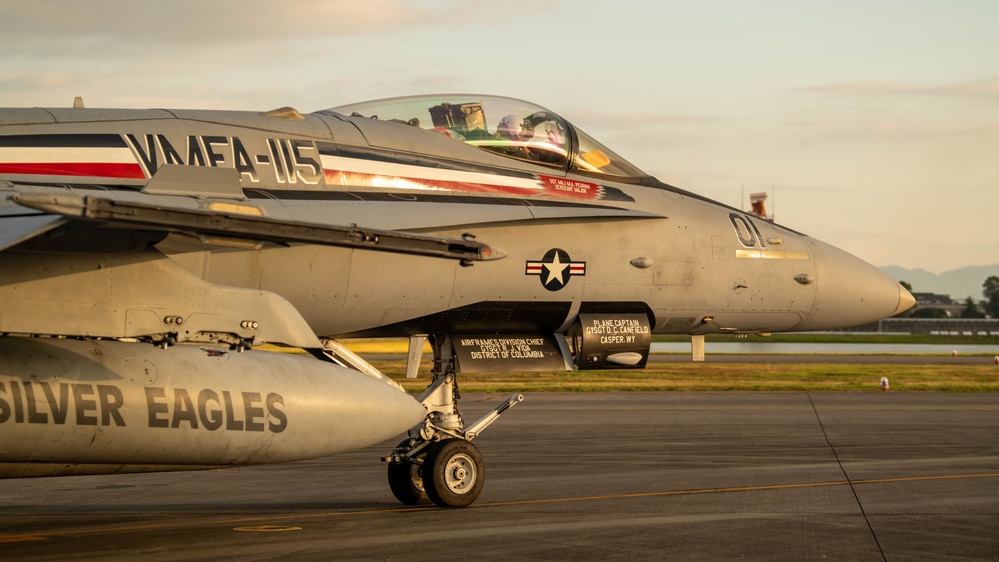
438 461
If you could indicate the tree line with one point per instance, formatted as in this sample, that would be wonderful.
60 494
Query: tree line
988 308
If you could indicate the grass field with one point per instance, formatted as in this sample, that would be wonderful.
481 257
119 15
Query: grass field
718 376
847 337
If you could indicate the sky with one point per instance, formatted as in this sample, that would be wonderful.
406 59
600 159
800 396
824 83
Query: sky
874 124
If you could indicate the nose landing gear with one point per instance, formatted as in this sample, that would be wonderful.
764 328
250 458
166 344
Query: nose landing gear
438 463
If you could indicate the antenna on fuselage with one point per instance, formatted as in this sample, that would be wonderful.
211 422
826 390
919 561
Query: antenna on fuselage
78 102
757 202
773 204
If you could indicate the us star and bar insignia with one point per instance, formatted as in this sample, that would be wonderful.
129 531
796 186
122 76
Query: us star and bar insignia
555 269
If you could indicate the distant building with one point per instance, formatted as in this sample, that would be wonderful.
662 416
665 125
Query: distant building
933 300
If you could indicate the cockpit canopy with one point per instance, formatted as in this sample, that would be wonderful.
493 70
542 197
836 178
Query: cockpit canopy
510 127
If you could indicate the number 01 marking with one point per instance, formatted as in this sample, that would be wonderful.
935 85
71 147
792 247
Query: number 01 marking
746 231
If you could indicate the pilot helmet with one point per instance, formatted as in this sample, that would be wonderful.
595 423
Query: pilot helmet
516 128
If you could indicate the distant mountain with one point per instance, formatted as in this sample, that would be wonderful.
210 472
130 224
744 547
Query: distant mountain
959 284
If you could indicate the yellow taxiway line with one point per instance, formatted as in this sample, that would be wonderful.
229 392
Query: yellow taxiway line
43 535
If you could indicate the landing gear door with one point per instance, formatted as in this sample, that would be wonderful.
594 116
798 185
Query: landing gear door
610 341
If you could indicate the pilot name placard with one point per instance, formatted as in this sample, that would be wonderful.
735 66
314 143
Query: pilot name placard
564 187
87 404
616 330
570 185
611 341
488 353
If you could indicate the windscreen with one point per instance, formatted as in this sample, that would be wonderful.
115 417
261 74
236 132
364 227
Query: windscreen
507 126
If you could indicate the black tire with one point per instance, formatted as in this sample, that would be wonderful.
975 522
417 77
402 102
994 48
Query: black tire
453 473
406 483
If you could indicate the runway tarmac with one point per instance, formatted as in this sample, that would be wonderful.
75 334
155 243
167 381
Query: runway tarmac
602 476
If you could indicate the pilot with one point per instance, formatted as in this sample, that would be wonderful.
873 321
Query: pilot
515 128
553 129
518 131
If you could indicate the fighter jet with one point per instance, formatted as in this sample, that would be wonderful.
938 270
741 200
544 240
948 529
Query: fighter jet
146 255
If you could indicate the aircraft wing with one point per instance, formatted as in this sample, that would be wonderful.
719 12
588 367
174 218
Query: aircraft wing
85 290
57 209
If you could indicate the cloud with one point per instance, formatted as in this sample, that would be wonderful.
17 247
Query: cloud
889 131
51 26
589 118
208 53
41 81
984 88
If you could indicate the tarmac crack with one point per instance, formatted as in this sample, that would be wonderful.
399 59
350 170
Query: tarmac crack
846 476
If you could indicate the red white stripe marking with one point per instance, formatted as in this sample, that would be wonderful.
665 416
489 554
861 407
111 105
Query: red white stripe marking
369 173
69 161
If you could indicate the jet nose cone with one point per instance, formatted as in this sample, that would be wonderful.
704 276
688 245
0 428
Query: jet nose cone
905 300
851 292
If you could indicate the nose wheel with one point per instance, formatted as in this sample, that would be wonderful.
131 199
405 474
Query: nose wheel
449 473
406 478
453 473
